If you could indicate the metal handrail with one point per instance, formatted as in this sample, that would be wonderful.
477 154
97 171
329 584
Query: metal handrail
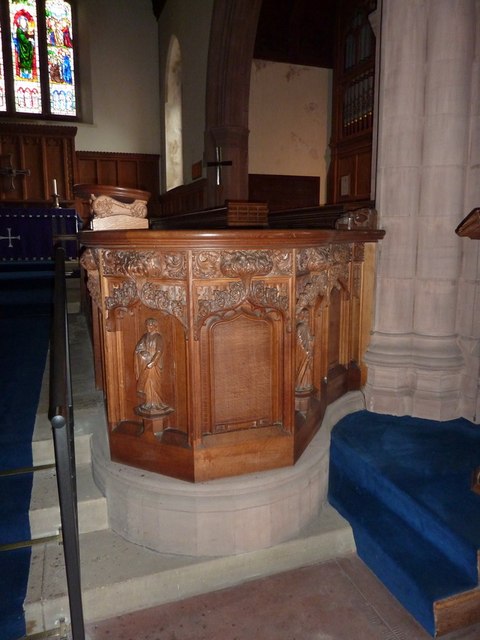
61 419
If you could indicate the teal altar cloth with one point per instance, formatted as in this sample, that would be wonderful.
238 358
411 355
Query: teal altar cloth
28 235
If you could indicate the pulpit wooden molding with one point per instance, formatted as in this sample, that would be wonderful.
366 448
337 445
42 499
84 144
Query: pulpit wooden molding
470 225
256 332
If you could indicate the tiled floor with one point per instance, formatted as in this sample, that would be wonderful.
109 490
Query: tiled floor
337 600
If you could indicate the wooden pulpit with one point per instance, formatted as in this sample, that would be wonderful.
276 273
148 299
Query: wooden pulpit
221 349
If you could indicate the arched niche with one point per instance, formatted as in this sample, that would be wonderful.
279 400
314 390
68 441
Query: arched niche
173 116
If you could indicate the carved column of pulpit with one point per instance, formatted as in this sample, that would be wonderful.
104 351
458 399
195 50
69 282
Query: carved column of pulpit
222 349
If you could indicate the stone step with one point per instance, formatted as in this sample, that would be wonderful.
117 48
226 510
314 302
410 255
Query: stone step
43 451
44 503
120 577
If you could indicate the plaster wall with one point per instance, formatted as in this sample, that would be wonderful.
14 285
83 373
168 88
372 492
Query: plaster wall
119 68
290 120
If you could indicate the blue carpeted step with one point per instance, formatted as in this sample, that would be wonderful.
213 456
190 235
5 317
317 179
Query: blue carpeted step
24 341
417 471
24 289
14 568
417 573
26 265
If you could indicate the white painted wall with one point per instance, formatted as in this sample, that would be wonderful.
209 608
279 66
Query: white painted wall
290 120
119 65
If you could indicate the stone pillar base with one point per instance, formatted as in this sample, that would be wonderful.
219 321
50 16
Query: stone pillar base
410 374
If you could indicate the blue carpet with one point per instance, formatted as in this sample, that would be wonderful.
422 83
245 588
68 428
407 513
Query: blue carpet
403 483
25 320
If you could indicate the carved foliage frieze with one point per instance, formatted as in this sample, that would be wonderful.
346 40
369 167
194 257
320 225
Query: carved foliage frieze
270 297
156 264
130 275
323 269
171 299
313 259
324 257
89 261
221 300
311 288
241 264
245 264
122 298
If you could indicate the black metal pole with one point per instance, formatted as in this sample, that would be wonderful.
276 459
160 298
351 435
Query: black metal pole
61 419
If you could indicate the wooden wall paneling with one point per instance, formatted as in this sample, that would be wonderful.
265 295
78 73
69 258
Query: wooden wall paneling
47 152
34 155
87 170
284 191
59 162
363 173
353 162
10 147
184 199
128 170
107 172
128 173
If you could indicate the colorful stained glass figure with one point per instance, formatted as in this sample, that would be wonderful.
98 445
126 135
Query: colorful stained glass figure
3 101
25 58
58 16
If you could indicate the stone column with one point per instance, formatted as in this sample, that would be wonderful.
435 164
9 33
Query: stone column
414 359
468 305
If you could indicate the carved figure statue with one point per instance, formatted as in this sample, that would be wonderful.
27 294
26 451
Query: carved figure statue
148 370
304 372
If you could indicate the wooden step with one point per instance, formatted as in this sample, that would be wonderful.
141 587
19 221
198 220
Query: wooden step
457 612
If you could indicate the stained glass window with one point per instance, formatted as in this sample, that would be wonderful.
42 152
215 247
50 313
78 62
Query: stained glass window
25 59
3 102
38 75
58 15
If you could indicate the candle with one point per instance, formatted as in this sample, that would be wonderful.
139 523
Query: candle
54 187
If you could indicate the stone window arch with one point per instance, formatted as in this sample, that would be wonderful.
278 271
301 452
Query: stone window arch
173 116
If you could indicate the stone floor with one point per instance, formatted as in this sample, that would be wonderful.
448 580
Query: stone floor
336 600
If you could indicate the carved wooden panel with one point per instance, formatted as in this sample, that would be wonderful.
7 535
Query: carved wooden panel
251 400
221 351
